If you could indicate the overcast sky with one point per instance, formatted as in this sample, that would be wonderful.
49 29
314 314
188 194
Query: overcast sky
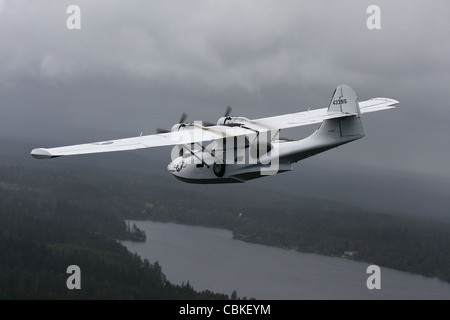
137 65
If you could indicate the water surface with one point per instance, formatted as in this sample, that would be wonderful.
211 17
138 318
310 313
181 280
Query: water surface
211 259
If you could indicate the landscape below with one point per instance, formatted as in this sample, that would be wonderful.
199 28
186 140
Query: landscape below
52 214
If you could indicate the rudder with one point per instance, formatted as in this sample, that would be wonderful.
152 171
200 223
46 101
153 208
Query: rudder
344 100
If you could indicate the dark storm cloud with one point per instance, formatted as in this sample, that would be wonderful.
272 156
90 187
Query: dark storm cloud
136 65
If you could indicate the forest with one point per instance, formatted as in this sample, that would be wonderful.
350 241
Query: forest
55 214
46 225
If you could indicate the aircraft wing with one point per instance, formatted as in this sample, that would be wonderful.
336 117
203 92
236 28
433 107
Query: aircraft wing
298 119
318 115
142 142
206 134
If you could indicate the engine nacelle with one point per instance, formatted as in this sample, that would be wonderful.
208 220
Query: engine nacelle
183 126
233 121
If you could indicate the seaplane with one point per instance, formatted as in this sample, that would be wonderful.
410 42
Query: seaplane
237 149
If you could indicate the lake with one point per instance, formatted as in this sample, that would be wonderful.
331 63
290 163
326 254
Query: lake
211 259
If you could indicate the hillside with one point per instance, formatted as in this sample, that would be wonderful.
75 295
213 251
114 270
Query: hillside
50 220
52 204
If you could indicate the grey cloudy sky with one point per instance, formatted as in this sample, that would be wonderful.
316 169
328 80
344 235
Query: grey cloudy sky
137 65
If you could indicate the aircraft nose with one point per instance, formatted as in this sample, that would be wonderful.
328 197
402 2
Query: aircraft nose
171 167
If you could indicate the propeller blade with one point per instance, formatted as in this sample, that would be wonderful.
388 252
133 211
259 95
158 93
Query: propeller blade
182 120
183 117
228 111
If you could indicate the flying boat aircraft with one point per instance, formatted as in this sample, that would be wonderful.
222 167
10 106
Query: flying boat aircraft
237 149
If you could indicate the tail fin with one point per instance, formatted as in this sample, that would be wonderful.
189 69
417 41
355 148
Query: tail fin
344 127
344 100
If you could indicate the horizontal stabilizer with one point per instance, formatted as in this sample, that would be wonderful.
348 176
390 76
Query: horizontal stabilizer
377 104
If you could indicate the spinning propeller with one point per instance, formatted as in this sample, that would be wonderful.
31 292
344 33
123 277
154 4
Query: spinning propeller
182 120
210 124
184 117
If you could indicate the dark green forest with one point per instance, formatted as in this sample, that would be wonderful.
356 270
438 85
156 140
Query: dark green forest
54 214
50 220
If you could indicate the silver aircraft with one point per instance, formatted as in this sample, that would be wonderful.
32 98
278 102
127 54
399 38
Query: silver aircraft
238 149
